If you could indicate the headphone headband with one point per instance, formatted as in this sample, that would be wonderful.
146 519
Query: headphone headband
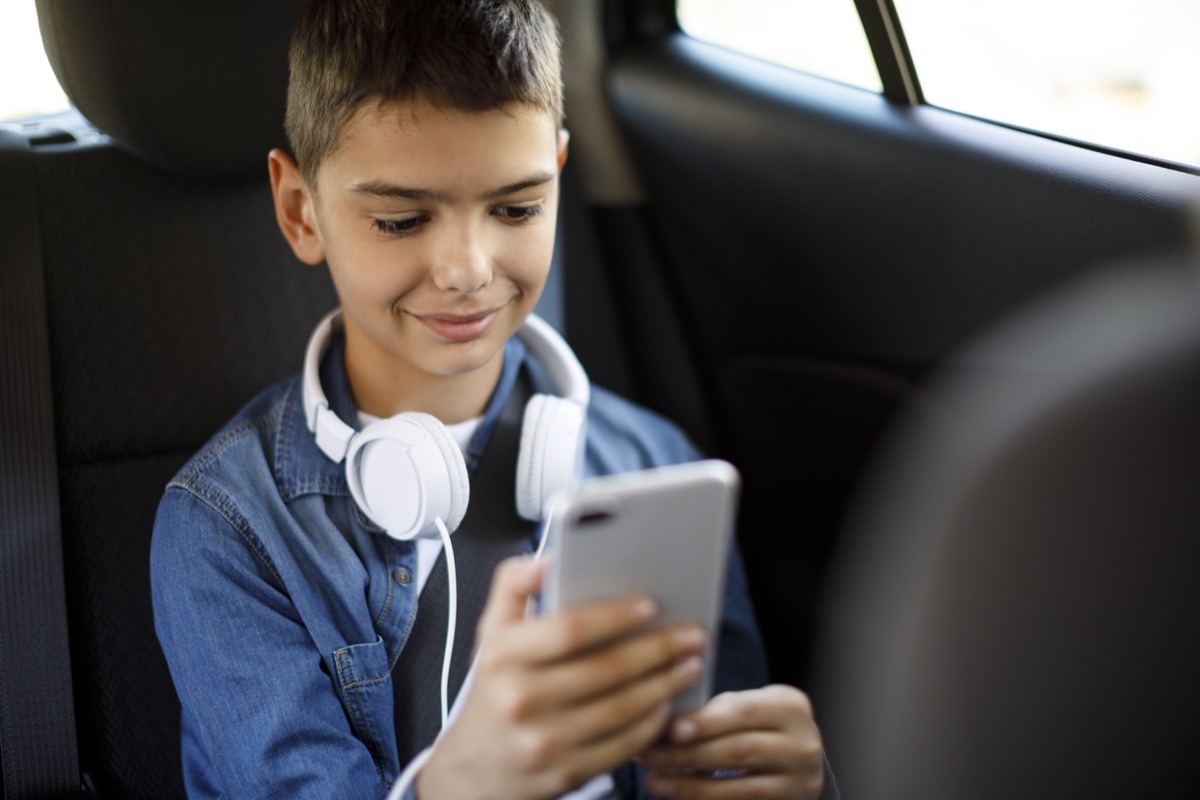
333 434
553 353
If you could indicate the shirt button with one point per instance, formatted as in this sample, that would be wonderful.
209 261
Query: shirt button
402 576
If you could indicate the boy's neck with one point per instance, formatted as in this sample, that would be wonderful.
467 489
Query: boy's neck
384 386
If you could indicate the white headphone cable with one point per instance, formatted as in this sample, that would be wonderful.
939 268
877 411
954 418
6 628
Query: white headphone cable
408 776
451 616
545 533
534 602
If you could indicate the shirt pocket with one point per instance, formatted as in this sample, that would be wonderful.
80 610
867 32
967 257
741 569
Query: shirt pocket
365 685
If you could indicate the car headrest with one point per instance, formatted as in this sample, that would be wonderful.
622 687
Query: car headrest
1017 612
194 87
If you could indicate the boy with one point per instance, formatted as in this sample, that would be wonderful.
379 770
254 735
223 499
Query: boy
427 141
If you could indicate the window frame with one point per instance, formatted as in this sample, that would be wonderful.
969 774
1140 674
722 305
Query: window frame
893 60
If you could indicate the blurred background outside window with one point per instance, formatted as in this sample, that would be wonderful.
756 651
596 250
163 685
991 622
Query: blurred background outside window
821 37
1121 73
27 84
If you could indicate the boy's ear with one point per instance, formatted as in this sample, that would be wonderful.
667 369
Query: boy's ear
294 208
564 137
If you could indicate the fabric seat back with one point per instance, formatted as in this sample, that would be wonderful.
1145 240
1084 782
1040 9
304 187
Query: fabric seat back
172 300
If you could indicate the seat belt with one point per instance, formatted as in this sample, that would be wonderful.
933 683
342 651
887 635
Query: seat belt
38 749
490 532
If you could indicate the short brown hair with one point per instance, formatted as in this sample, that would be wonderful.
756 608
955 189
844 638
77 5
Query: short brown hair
473 55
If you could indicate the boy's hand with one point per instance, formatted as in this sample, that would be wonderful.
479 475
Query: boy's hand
765 737
551 704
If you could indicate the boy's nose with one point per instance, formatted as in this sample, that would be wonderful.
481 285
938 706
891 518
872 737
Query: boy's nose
462 265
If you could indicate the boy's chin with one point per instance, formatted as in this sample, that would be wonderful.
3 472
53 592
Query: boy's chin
460 359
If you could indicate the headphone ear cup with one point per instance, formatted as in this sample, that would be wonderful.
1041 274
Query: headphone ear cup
551 454
406 471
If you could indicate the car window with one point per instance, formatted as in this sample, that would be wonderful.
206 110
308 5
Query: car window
823 37
28 87
1119 73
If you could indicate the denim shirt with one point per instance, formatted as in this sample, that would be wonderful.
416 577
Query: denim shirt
282 609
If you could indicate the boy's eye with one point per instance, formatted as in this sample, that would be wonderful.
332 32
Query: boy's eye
399 227
519 214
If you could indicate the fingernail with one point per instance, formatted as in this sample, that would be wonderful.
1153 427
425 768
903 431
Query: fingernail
646 609
684 730
690 638
689 669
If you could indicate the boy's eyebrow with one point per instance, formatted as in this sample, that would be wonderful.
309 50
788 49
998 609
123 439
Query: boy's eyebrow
533 180
384 189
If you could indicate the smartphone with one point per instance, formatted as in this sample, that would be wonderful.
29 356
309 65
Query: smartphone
663 532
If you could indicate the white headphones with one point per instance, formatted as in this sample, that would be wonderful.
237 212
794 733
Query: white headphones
406 471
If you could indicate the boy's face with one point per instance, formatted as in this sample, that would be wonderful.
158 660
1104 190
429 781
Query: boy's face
438 228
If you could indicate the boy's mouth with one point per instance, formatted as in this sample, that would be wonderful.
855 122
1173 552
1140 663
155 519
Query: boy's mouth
459 327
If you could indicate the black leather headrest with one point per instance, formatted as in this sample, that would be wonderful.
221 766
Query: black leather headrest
194 87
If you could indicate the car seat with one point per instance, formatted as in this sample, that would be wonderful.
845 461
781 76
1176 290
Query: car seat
1018 614
170 299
